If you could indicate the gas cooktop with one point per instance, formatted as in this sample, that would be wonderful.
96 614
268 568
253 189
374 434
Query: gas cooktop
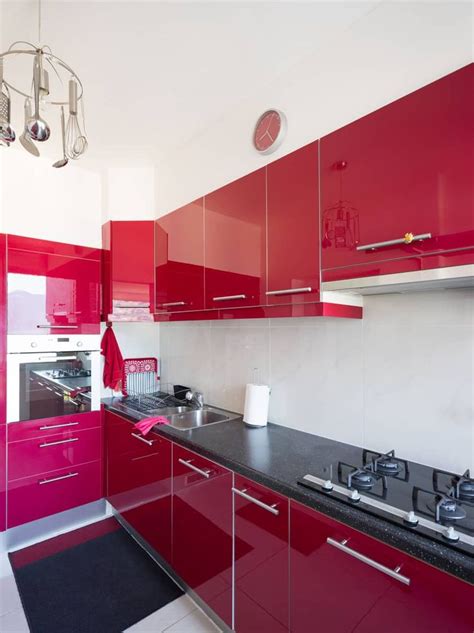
436 503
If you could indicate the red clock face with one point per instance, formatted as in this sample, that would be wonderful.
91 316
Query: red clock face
269 131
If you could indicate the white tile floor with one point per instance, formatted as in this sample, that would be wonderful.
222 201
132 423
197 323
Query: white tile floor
180 616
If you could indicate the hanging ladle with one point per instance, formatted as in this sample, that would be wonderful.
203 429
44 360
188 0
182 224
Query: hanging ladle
38 129
25 138
64 161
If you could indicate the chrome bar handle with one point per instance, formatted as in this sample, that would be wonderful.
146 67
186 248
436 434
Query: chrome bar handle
143 305
229 297
393 573
143 439
46 444
58 327
187 462
50 481
288 291
57 426
408 238
243 493
171 304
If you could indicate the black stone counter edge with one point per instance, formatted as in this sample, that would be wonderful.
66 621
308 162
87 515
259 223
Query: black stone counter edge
435 554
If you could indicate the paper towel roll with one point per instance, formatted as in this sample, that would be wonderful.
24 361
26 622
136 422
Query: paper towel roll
257 398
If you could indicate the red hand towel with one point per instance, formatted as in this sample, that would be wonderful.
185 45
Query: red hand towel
145 426
113 360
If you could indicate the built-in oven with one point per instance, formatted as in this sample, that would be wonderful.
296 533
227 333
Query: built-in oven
50 376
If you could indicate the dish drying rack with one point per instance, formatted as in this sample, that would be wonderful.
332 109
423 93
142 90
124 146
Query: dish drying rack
141 385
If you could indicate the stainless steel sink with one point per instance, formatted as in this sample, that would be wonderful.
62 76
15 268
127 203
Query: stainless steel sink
168 411
195 418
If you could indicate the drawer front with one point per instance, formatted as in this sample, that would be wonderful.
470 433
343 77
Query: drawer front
41 455
66 425
190 469
39 496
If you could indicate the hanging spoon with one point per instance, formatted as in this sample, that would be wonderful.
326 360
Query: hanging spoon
25 138
38 129
64 161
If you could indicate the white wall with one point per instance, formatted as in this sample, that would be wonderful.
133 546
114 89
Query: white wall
400 378
391 51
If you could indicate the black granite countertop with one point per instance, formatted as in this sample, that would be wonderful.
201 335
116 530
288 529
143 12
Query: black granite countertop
276 456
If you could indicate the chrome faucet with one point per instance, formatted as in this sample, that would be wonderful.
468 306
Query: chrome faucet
196 398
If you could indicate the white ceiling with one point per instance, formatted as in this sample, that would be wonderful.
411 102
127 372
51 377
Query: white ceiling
156 74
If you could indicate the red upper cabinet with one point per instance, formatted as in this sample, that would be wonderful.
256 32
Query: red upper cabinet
235 243
128 268
53 288
261 573
404 169
346 581
179 259
293 274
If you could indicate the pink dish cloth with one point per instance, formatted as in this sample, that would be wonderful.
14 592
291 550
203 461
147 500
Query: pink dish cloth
145 426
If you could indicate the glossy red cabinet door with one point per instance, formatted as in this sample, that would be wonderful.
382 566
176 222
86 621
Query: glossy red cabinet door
202 529
406 168
179 259
128 267
261 559
332 590
3 329
3 476
235 239
293 227
139 481
53 288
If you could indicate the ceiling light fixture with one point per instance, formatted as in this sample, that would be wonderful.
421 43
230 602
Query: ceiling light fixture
40 95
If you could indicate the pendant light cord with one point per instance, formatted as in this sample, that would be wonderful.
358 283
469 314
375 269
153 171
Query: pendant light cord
39 22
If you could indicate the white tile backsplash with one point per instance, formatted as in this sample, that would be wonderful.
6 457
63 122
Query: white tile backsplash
401 378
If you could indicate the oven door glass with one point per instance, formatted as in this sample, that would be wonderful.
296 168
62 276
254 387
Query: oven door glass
54 384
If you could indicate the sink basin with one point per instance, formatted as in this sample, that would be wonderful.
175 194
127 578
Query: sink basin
195 418
168 411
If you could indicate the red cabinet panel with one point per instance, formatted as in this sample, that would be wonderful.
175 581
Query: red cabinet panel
50 291
67 425
3 476
3 328
293 227
179 259
139 481
42 455
235 243
202 529
261 559
128 267
39 496
406 168
340 593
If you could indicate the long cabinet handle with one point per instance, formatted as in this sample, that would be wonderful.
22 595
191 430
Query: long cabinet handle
53 479
58 327
260 504
143 305
187 462
288 291
143 439
57 426
170 304
408 238
229 297
393 573
46 444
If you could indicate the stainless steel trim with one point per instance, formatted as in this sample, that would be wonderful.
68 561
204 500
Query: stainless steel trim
143 305
260 504
50 481
57 426
58 327
72 439
173 303
393 573
449 276
229 297
187 462
143 439
288 291
400 240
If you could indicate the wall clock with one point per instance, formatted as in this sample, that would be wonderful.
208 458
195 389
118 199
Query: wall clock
269 131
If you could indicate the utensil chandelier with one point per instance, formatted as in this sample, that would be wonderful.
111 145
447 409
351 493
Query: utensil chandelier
36 129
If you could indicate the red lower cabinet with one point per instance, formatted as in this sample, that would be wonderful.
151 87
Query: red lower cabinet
3 477
139 481
333 589
261 559
202 529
